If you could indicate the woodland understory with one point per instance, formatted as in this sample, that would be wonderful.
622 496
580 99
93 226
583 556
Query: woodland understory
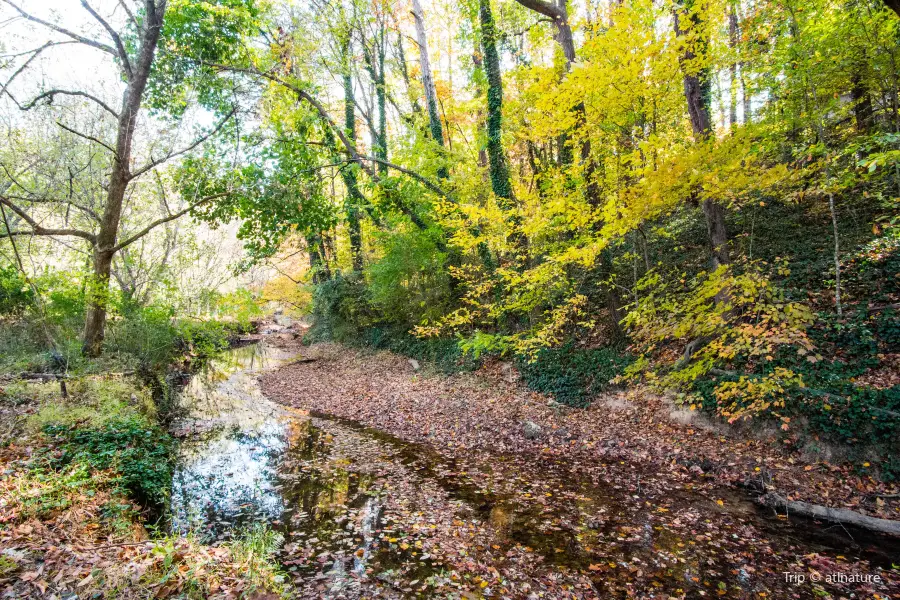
651 247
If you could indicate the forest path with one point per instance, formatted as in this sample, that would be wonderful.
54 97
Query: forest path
476 502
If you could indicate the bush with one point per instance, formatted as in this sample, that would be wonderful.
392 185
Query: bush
341 308
573 375
143 335
410 282
15 293
445 354
138 452
204 338
107 424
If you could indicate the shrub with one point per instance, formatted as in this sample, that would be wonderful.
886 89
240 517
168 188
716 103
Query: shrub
341 308
139 454
445 354
15 293
573 375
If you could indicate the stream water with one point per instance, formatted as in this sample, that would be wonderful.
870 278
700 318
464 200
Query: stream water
364 514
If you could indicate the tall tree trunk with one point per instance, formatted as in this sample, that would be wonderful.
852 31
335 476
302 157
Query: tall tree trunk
350 173
374 57
318 263
862 102
733 38
499 165
697 90
104 249
431 101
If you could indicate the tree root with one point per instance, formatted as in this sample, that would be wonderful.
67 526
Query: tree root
835 515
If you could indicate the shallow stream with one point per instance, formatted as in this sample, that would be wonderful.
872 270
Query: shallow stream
363 513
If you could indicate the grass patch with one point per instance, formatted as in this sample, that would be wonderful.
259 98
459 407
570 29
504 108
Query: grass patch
183 567
105 426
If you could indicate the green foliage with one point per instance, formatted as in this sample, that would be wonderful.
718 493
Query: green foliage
255 551
717 320
410 283
573 375
442 353
16 295
341 307
139 453
239 307
146 335
204 338
198 35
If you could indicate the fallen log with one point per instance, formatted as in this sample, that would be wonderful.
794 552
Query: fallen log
835 515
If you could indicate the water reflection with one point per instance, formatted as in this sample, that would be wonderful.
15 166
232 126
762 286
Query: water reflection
226 474
245 459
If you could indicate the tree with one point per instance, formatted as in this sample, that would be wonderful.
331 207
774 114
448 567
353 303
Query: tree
431 100
559 15
134 49
501 182
689 27
349 174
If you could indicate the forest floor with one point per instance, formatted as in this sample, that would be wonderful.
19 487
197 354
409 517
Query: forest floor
68 528
628 498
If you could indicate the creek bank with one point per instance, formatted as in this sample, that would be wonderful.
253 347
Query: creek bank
636 483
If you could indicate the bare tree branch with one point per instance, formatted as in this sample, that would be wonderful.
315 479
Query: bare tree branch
120 47
87 137
78 38
155 163
49 94
38 230
133 238
88 211
25 66
129 12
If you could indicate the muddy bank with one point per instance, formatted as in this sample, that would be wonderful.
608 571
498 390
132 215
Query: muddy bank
582 509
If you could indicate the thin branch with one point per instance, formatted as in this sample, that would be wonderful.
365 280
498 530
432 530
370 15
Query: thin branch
38 230
155 163
430 185
306 97
130 240
87 210
120 47
49 94
129 12
78 38
87 137
25 66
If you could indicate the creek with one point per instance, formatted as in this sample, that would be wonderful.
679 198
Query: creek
355 508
